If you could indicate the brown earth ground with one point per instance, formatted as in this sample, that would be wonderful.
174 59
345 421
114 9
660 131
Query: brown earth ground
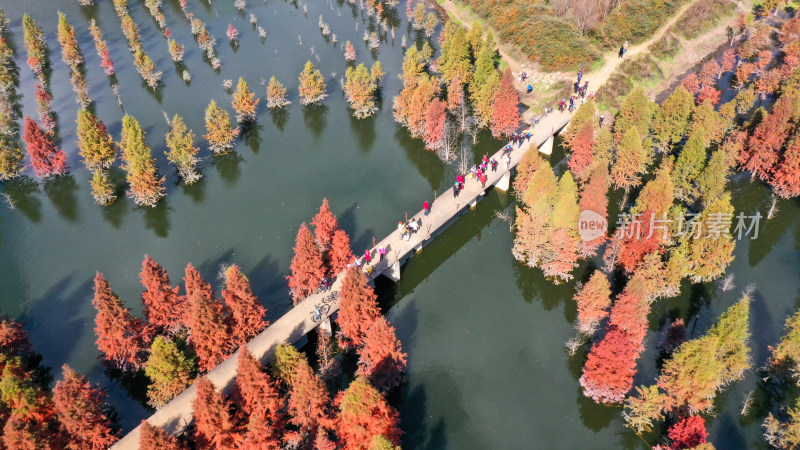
550 86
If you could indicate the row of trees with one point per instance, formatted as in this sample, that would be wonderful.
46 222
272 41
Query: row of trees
460 92
181 334
141 60
324 253
696 143
295 405
11 156
73 415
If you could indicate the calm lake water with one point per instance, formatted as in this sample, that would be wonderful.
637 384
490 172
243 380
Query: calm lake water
484 334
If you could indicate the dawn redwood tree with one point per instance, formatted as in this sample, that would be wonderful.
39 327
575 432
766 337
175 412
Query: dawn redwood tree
120 335
258 397
209 333
81 410
146 188
325 225
702 366
214 426
763 149
629 314
636 111
181 150
219 131
35 46
309 401
102 48
94 142
163 306
276 94
609 369
710 253
435 125
594 197
688 432
155 438
785 181
244 102
411 105
582 159
307 266
505 108
593 300
312 85
358 308
635 246
359 89
247 314
365 414
658 194
349 52
785 358
170 371
340 254
47 160
70 52
631 160
671 119
381 358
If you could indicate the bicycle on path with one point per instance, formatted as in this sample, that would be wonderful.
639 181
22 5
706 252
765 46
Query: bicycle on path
319 312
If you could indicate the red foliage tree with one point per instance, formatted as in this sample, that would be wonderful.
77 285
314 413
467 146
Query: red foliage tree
708 93
120 335
208 332
629 315
435 125
247 314
764 58
358 308
325 225
340 255
709 72
565 256
80 408
163 306
363 415
307 267
455 95
727 62
505 108
595 198
763 149
381 358
154 438
580 163
692 83
786 179
214 427
610 367
259 399
639 242
13 341
768 82
743 72
593 300
308 401
21 434
47 160
688 433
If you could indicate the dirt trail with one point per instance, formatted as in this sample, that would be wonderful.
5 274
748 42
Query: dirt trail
598 77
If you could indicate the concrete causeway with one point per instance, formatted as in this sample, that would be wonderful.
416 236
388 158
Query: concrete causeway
176 415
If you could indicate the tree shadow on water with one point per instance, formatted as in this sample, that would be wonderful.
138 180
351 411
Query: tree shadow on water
427 163
195 191
414 416
157 218
315 118
251 135
593 416
364 131
61 191
228 167
280 117
21 193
